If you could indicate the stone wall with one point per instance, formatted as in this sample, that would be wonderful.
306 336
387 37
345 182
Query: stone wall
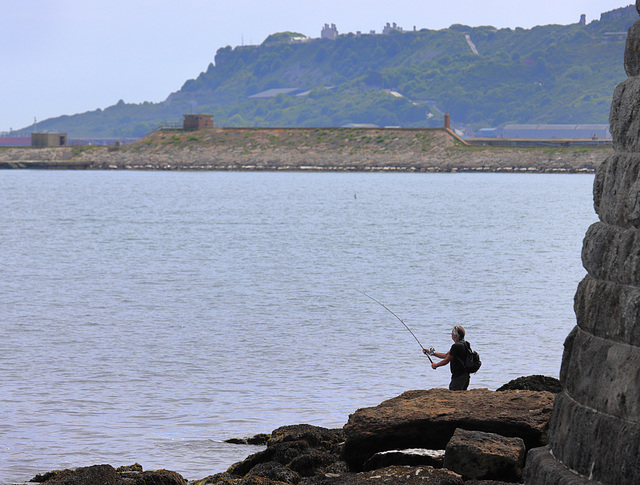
594 433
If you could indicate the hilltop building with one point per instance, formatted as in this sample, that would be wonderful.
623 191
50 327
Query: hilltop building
329 32
392 28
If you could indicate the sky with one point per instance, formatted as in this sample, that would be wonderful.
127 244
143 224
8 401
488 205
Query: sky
70 56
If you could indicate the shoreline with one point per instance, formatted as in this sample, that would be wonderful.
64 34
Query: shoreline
310 150
376 440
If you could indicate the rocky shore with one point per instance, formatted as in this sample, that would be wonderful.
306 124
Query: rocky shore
310 149
427 437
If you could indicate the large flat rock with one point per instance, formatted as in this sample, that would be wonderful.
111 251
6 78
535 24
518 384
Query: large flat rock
428 419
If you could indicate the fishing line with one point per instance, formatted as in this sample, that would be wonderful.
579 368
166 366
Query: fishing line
402 322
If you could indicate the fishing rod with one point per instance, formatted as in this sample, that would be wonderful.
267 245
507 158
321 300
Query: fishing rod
405 325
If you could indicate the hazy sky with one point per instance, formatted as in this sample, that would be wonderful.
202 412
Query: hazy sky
70 56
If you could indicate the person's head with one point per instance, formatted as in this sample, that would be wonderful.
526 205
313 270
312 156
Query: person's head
457 333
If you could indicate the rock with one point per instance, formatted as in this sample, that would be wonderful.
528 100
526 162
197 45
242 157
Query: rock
616 190
485 482
228 479
315 436
488 456
428 419
259 439
159 477
423 475
276 472
609 310
611 253
409 457
312 463
533 383
304 449
543 468
632 50
107 475
622 117
91 475
282 453
130 471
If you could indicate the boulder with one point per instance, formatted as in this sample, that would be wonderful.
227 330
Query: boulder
304 449
487 456
107 475
159 477
533 383
316 436
422 475
227 479
428 419
276 472
409 457
90 475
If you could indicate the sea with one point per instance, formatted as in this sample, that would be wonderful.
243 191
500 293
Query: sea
149 316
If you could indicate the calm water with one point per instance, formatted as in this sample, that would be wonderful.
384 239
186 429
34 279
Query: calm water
147 316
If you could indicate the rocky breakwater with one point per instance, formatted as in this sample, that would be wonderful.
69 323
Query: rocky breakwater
594 433
309 149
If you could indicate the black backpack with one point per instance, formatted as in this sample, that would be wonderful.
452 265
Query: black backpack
472 361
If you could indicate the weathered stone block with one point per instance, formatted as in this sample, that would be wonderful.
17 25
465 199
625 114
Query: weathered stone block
612 253
428 419
624 118
632 50
616 190
485 456
596 445
608 310
613 367
543 469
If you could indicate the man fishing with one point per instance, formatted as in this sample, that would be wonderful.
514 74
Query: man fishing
456 357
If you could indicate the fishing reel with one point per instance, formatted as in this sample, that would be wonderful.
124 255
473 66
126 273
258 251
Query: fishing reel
432 351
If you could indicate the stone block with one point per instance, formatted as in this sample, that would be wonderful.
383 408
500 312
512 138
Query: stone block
616 190
623 118
615 367
612 253
485 456
598 446
632 50
543 469
608 310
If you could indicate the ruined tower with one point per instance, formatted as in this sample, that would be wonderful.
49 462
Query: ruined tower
594 434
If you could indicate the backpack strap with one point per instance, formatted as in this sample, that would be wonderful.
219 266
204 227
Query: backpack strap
467 346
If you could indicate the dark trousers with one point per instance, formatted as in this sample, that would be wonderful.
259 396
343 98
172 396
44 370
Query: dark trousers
460 383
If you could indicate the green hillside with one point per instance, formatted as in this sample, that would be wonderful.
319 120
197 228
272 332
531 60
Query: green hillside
548 74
